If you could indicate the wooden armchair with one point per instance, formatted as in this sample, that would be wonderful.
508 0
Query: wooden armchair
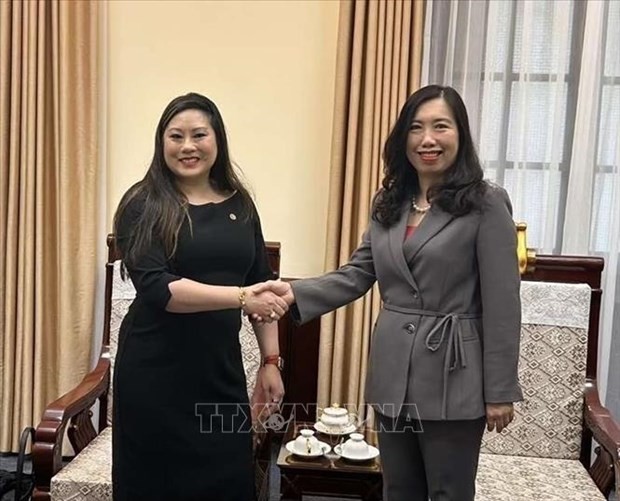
88 475
546 452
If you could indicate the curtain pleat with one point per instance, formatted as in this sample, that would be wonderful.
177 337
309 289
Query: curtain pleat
48 203
378 66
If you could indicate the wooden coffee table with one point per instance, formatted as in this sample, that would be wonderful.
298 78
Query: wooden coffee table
327 475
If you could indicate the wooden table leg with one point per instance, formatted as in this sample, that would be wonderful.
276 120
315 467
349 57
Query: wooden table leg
288 488
374 492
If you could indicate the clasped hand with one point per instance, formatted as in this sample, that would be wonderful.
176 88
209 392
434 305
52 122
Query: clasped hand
268 301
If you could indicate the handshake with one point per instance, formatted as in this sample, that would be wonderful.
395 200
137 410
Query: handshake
268 301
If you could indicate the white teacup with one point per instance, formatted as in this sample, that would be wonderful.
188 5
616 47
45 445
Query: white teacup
356 447
307 444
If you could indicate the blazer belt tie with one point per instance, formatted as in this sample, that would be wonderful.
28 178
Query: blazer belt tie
447 329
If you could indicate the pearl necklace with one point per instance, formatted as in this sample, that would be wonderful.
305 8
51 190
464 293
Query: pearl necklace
417 208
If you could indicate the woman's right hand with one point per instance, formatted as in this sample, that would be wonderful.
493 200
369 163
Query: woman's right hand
281 289
264 304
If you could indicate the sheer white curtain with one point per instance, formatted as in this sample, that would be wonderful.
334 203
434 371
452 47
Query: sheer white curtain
541 80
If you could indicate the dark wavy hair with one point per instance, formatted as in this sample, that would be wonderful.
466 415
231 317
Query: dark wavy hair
462 187
165 205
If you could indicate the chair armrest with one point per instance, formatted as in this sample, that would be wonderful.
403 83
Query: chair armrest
604 428
49 434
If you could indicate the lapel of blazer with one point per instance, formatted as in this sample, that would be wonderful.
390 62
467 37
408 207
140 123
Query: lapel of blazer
433 223
397 237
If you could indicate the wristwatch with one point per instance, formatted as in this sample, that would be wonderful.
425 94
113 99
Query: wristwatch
276 360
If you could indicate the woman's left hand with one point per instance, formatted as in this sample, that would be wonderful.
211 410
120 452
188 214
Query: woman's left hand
268 392
499 416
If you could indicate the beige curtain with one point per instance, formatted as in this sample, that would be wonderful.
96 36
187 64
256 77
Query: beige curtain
378 67
48 203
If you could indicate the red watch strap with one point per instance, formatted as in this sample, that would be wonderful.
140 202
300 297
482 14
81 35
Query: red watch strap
274 360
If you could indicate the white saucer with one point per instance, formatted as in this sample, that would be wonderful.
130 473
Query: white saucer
373 452
325 448
321 428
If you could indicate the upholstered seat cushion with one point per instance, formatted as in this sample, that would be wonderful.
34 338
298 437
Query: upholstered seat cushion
518 478
500 478
89 476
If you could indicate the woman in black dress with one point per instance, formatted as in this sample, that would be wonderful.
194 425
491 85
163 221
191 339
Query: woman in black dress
192 244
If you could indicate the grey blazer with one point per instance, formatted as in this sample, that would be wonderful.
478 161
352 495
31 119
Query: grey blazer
447 336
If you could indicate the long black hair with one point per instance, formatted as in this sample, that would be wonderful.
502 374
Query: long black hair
462 188
164 204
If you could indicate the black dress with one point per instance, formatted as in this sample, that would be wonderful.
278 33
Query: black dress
182 426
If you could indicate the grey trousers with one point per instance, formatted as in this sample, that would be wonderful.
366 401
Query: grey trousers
429 459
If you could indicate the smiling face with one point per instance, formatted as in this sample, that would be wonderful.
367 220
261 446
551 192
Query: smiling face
433 139
190 146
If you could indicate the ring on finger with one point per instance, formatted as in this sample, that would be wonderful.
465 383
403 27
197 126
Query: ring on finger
272 315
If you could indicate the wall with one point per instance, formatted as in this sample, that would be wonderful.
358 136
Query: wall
269 66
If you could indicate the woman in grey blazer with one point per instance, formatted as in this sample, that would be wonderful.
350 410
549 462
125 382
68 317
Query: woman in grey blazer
442 245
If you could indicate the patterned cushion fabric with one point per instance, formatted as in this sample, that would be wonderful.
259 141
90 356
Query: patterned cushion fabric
514 478
89 476
250 353
123 294
552 363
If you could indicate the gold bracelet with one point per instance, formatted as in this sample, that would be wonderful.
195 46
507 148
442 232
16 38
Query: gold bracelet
242 297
